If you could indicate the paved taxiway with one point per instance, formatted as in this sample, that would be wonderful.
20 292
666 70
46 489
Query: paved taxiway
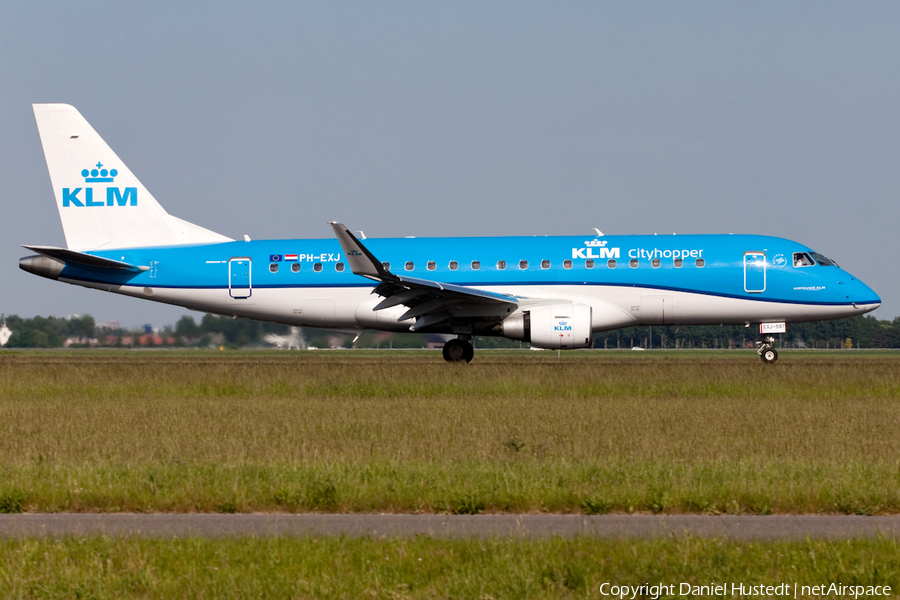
778 527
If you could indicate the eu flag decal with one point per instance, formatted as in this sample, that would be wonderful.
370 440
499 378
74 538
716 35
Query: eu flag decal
274 258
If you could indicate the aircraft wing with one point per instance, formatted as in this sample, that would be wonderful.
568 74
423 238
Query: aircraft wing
431 303
82 259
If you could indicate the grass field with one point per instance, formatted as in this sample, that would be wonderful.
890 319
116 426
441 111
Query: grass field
422 568
593 432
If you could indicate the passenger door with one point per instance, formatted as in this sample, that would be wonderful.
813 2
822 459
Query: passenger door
239 285
754 272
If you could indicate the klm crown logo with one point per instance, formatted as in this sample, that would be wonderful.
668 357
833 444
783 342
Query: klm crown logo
99 174
114 196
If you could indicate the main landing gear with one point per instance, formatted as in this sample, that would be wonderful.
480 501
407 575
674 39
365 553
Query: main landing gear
767 351
458 350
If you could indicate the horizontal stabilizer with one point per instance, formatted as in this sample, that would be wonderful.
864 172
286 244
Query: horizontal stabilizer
82 259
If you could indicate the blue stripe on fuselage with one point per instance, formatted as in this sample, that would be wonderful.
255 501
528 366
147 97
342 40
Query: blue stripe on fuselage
207 266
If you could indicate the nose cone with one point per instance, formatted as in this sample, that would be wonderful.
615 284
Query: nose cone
862 296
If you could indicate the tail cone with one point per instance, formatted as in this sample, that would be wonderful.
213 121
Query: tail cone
41 265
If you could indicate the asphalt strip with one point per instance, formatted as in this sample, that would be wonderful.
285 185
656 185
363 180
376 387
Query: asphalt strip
775 527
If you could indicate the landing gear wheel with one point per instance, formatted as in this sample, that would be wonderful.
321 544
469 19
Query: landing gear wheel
767 351
470 352
458 350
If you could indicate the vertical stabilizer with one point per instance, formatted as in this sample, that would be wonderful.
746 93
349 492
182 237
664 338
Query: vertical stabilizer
100 201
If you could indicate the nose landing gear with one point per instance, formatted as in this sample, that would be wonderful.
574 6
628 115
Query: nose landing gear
767 351
458 350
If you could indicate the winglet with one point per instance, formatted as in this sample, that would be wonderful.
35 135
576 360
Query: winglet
362 262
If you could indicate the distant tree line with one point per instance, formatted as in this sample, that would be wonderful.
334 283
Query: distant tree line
860 332
236 332
47 332
53 332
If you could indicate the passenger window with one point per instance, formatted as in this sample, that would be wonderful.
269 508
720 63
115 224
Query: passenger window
611 263
655 262
454 265
317 267
589 263
523 264
339 267
501 264
273 267
567 264
476 265
386 265
802 259
431 265
409 266
701 263
545 264
295 267
633 263
678 262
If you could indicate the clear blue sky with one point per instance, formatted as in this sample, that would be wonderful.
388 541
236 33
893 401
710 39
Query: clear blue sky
480 118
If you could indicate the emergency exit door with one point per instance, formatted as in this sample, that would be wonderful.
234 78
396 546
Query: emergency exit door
239 285
754 272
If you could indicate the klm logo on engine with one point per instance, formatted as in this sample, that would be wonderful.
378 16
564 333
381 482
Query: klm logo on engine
589 250
562 326
85 196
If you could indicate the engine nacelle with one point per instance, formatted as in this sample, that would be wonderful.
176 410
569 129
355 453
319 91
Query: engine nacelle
563 325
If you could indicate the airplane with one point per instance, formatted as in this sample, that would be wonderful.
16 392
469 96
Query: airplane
551 292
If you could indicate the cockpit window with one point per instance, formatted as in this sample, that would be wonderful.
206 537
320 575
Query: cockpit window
823 260
802 259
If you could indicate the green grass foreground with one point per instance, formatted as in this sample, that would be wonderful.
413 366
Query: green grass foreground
594 432
424 568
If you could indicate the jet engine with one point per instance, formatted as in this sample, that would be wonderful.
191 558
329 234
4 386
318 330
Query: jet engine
563 325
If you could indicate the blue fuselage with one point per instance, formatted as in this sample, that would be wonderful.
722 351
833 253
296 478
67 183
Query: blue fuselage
649 262
760 271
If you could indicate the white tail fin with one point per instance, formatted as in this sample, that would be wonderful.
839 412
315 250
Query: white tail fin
101 203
